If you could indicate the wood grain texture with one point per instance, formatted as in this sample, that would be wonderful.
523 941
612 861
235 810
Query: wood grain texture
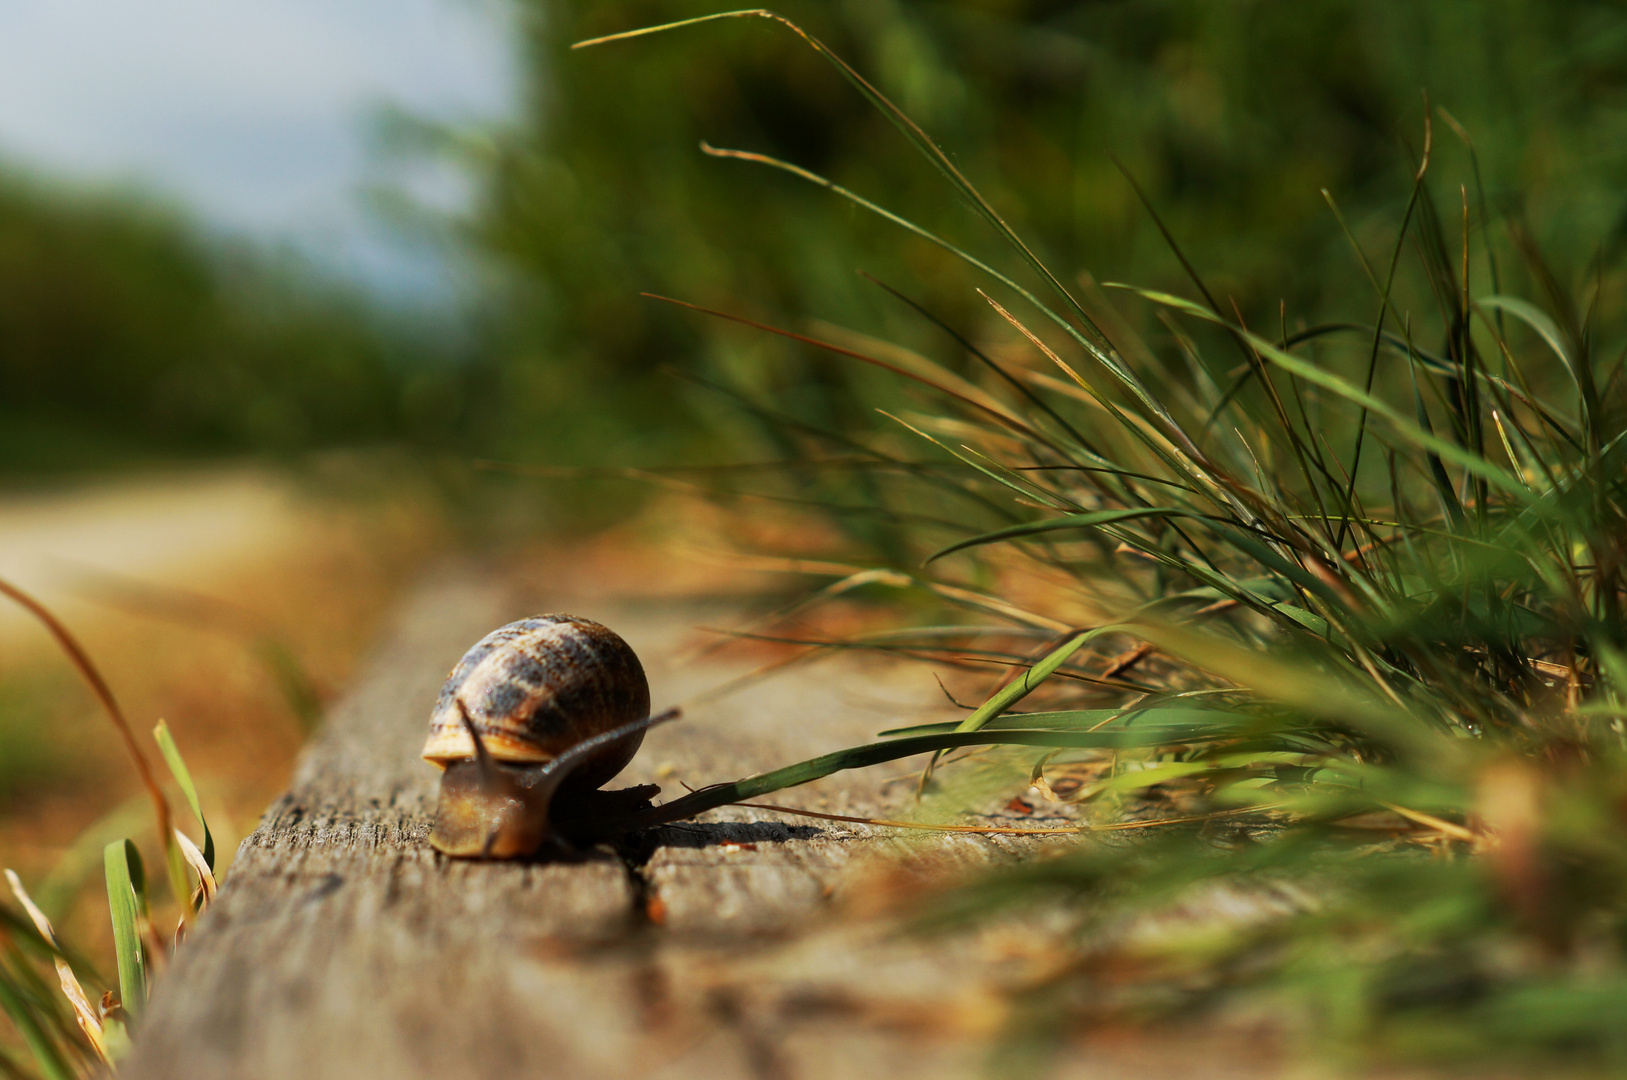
341 945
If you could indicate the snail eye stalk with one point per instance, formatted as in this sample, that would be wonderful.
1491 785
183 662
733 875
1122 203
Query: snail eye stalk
488 810
482 755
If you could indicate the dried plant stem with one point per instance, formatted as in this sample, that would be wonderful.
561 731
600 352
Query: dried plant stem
104 694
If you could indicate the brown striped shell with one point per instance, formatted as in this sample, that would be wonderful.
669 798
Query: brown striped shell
537 687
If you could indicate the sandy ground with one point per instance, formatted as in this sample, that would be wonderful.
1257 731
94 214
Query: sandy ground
190 527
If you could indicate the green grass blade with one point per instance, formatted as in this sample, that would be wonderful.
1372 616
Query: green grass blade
1450 451
965 459
125 885
1092 520
47 1054
1536 319
647 30
858 757
881 211
1019 688
183 777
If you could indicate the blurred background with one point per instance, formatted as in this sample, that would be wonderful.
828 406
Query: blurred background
276 276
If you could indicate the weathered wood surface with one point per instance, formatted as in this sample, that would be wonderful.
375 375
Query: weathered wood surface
341 945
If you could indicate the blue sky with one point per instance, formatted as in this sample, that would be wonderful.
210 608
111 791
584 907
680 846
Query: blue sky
253 113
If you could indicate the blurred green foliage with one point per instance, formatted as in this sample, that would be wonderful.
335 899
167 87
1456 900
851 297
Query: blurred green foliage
30 761
127 334
1232 115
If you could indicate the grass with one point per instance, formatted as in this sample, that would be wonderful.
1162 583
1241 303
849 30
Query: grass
137 941
1345 600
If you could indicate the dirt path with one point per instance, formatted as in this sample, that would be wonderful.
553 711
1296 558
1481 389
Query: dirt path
192 526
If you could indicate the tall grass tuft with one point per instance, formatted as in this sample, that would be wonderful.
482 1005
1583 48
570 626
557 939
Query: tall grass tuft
1347 596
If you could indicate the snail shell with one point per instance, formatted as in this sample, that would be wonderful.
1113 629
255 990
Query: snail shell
550 703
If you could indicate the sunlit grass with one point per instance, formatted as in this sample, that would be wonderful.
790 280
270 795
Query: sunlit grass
1347 597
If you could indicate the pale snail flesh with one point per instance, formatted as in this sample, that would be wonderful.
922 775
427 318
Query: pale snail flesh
553 705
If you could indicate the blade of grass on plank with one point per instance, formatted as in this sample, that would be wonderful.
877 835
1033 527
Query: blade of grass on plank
183 777
1030 680
858 757
122 868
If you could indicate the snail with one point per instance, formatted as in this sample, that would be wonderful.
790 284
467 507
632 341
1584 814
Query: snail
531 722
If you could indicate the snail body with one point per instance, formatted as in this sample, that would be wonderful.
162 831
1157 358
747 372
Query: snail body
545 706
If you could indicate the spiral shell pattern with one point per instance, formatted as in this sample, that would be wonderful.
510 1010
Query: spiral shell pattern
536 687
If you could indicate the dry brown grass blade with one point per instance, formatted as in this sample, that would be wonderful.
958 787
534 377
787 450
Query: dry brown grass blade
1455 831
966 597
997 606
200 866
89 1020
1004 416
769 564
104 694
910 360
1127 660
755 675
852 581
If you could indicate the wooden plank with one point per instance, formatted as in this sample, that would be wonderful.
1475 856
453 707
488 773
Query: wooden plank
342 946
